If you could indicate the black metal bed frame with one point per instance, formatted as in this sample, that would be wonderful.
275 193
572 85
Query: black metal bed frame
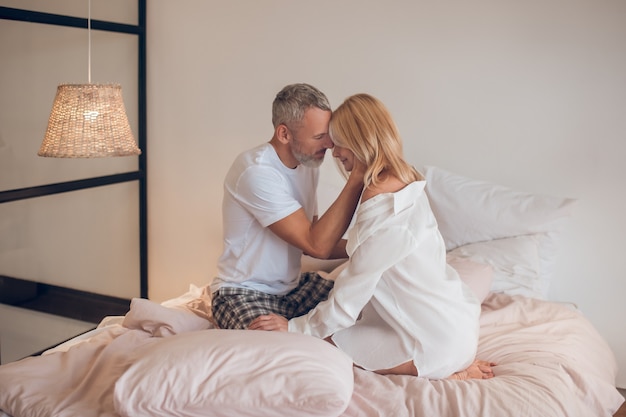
90 306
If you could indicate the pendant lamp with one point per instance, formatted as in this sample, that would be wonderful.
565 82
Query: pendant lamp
88 120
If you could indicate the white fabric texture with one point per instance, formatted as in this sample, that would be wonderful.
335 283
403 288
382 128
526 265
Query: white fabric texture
236 373
76 379
516 263
470 211
260 190
551 362
161 321
478 276
413 305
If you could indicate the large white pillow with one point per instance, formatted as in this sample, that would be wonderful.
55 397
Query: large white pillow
470 211
236 373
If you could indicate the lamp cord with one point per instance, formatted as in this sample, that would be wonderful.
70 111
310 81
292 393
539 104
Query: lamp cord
89 40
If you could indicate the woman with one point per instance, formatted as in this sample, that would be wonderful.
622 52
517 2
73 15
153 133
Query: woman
396 307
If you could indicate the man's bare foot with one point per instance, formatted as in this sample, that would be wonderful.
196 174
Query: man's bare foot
477 370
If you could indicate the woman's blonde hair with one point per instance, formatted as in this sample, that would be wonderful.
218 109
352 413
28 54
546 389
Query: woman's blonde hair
363 124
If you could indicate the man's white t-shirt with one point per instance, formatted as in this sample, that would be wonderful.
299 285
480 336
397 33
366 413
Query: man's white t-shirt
259 190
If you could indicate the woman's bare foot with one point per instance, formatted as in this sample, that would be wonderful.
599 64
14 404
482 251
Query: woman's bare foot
477 370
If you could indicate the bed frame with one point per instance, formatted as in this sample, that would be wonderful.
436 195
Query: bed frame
68 302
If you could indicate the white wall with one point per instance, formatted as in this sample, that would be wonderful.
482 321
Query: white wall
529 94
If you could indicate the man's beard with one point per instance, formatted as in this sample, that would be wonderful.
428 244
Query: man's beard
306 160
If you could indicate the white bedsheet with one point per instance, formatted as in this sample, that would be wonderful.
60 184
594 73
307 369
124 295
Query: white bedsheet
551 362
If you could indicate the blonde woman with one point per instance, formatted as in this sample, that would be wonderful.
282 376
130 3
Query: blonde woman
396 306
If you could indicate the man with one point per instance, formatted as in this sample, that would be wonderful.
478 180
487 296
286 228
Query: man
270 216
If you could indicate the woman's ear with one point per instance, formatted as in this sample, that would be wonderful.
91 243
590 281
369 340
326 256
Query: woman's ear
283 134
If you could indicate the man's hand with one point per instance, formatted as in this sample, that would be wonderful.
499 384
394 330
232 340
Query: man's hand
269 322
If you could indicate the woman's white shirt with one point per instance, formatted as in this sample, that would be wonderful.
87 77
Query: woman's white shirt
396 298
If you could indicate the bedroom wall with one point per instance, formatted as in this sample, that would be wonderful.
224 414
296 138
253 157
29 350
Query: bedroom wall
528 94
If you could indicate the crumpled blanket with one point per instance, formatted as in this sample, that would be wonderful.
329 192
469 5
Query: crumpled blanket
550 362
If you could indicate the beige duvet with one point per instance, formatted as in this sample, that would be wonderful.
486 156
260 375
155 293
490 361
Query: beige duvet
550 362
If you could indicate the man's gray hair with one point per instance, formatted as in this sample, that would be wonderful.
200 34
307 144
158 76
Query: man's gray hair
293 100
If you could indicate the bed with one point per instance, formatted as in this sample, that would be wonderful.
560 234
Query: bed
165 359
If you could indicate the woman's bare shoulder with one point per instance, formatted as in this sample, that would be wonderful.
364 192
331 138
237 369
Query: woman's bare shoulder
389 184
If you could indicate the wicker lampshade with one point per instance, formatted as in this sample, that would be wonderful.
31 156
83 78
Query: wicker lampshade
88 121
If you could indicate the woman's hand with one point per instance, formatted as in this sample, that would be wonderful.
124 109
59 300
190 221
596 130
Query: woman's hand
358 169
269 322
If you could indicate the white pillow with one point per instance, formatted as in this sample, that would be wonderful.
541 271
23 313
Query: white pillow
515 261
236 373
476 275
470 211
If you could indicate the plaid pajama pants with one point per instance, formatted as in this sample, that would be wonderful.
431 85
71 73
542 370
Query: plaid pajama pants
235 308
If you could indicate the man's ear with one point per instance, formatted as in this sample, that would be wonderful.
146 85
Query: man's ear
283 134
